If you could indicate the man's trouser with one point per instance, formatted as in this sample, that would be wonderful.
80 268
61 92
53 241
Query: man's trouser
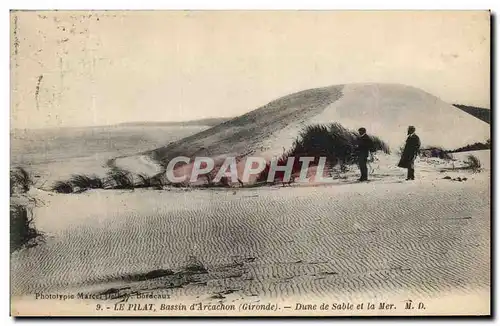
362 161
411 171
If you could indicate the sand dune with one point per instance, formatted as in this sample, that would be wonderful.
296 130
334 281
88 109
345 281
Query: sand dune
384 109
418 238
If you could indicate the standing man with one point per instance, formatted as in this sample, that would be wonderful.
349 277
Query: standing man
410 152
364 147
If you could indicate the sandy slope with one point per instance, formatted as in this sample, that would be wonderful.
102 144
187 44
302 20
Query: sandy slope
420 238
384 109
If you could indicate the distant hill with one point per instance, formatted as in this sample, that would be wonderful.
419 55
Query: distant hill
480 113
201 122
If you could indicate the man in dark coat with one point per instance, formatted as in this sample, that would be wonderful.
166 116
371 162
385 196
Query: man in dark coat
410 152
363 149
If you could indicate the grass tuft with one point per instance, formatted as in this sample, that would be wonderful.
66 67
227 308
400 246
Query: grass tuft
437 152
120 179
63 187
22 230
84 182
473 163
144 181
20 180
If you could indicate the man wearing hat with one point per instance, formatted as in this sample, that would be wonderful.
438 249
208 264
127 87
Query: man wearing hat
410 152
364 147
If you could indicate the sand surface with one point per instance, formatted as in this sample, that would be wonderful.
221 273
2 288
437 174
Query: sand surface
386 238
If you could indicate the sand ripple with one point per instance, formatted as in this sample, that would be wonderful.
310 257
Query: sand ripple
305 242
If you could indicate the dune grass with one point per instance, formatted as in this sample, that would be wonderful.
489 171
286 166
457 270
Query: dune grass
473 163
84 182
117 178
22 231
224 182
334 142
145 181
63 187
156 181
20 180
78 183
437 152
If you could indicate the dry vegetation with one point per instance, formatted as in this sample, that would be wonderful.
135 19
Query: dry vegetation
436 152
22 229
334 142
20 180
473 163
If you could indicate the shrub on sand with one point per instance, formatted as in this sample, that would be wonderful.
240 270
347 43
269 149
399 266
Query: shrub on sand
63 187
437 152
334 142
20 180
120 179
22 231
83 182
380 145
144 181
156 181
225 182
473 163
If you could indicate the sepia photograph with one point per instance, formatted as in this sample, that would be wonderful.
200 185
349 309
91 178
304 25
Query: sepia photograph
250 163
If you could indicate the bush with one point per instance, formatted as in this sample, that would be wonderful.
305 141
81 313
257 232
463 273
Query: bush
116 178
380 145
20 180
437 152
334 142
183 184
22 231
63 187
145 181
225 182
83 182
156 181
473 163
120 179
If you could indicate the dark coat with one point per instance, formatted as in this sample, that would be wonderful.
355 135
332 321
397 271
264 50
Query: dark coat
410 152
364 146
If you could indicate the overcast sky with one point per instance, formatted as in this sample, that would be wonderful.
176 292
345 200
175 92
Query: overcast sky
96 68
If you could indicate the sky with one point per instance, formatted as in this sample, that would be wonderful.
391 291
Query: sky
81 68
